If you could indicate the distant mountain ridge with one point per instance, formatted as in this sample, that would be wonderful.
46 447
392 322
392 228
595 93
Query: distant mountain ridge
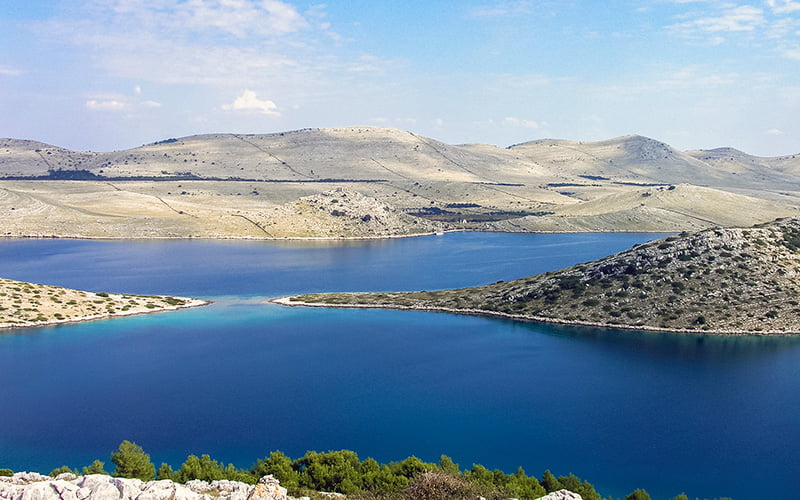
542 185
310 153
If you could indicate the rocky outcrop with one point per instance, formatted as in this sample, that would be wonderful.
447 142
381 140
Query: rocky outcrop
33 486
562 495
341 213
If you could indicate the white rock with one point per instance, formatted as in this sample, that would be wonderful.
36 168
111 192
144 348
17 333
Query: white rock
198 486
129 489
562 495
32 486
99 486
166 489
268 488
38 491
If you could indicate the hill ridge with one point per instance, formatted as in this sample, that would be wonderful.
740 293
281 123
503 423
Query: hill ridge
536 186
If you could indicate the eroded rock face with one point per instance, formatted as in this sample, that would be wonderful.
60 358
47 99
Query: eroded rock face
33 486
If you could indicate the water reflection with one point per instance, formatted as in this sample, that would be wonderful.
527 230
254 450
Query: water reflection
691 347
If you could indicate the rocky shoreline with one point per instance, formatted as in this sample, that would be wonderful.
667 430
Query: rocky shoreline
722 281
68 486
25 305
97 317
289 301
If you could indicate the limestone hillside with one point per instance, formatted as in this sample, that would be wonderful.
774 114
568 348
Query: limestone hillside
26 304
31 485
734 280
214 185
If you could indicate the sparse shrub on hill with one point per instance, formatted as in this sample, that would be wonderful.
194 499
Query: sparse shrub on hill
442 486
95 467
62 470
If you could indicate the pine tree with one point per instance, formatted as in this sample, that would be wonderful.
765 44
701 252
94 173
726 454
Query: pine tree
133 462
639 494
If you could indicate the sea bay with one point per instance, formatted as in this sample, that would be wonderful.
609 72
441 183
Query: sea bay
240 378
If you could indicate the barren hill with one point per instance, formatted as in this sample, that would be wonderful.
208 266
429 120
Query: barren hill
210 185
733 280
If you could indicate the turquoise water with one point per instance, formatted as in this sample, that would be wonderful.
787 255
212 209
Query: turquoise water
706 415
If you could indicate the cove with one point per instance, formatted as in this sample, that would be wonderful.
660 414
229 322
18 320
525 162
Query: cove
711 416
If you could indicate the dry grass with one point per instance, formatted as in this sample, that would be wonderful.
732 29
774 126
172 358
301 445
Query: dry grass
26 304
248 186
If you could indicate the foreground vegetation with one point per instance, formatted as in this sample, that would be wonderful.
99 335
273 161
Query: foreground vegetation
724 280
343 472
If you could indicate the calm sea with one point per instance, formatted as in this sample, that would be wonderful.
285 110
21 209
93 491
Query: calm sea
708 416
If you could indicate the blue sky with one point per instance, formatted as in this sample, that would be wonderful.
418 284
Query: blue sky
105 75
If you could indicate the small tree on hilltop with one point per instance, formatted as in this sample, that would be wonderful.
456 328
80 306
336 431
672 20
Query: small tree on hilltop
133 462
639 494
550 482
95 467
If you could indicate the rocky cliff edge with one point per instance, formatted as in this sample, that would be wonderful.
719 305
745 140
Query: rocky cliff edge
34 486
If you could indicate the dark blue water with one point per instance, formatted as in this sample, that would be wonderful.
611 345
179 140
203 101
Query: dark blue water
709 416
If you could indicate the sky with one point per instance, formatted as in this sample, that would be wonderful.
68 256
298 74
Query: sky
103 75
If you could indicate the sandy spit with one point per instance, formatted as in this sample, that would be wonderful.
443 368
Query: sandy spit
95 317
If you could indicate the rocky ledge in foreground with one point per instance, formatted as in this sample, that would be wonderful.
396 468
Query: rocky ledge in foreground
33 486
722 280
27 304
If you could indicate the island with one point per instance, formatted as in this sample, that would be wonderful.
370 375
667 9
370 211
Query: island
741 280
25 304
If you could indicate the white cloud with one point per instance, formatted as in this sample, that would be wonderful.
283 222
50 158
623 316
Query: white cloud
792 53
233 17
518 122
218 42
776 27
106 105
731 19
119 102
784 6
249 102
774 131
503 8
7 71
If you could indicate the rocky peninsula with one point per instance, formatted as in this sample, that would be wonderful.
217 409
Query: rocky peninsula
27 304
720 280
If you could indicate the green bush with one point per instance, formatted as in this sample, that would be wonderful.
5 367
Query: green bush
638 495
95 467
342 471
132 462
62 470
